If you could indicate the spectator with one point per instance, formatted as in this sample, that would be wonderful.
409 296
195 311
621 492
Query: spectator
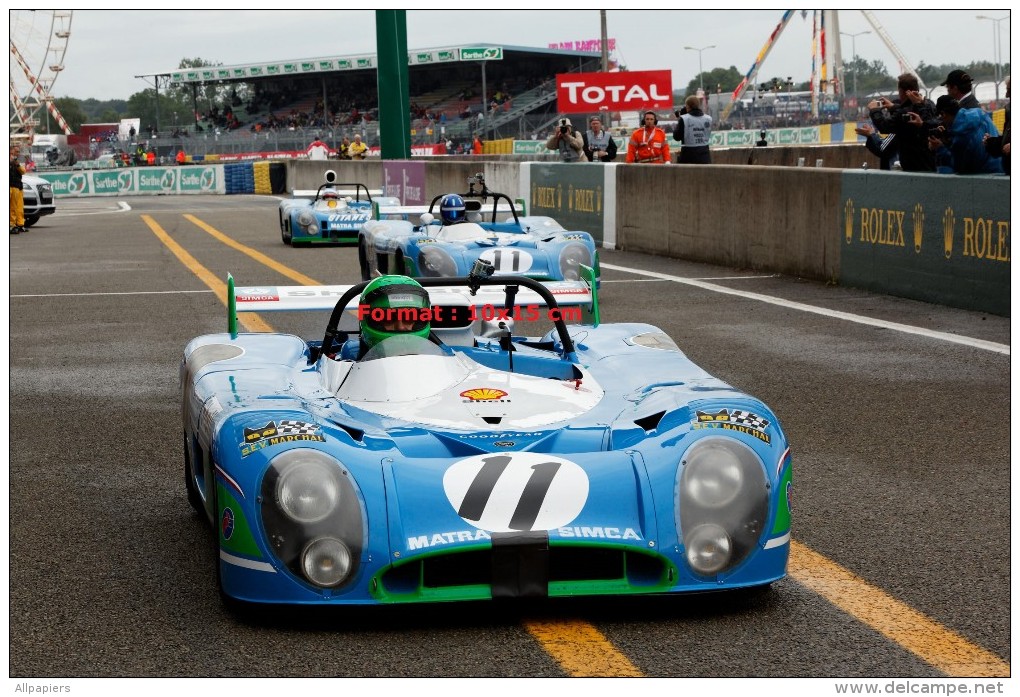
882 148
318 150
181 157
598 144
694 130
958 85
29 164
566 140
910 121
17 195
763 142
476 145
648 143
344 151
999 146
963 150
358 150
150 158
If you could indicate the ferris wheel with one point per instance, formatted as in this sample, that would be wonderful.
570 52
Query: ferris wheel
38 45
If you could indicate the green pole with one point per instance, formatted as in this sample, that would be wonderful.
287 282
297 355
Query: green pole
394 95
231 308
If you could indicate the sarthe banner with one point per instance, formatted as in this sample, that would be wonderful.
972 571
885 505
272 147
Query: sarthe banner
581 93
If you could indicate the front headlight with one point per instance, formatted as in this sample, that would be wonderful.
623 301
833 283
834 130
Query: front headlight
712 476
571 258
312 517
307 491
722 503
326 561
308 223
433 261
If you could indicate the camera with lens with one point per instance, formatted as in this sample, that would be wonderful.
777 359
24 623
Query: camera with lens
564 129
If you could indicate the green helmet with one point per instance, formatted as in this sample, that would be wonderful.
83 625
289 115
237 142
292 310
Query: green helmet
394 305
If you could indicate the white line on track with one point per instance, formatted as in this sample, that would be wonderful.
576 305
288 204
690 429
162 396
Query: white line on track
82 295
835 314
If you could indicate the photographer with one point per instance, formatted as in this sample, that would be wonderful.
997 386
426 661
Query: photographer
566 140
910 120
960 148
599 145
694 130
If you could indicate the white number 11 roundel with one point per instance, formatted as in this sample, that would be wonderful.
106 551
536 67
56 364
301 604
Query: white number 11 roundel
509 492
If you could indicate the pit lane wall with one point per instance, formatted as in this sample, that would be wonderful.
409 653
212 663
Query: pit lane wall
133 181
937 238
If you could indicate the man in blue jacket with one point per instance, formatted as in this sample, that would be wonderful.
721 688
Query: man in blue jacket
963 150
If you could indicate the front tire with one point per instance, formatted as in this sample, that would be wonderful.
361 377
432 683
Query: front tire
194 498
31 220
285 232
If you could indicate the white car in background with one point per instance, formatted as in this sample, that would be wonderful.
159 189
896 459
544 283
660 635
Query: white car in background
38 195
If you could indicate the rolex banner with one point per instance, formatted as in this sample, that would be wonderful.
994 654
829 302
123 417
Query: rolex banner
946 242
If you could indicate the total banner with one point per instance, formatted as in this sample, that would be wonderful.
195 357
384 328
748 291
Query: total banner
583 93
199 179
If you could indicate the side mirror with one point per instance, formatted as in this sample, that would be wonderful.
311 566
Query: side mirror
427 218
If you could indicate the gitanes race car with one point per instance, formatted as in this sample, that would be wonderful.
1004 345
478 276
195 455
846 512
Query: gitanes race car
328 215
430 242
449 458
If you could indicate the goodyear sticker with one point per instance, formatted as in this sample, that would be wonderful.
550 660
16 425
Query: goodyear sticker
734 420
278 433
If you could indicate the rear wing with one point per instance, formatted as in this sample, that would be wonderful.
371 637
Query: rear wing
581 293
311 193
413 213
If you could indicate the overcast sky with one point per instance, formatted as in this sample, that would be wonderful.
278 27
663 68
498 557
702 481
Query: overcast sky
107 48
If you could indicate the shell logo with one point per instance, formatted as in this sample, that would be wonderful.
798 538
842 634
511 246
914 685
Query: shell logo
483 394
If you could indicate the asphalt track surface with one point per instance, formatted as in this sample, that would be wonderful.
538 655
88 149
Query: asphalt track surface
900 564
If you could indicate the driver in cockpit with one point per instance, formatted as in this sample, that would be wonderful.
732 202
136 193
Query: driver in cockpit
393 306
452 209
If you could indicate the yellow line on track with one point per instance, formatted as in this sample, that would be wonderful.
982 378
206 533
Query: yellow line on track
914 631
583 651
256 255
250 320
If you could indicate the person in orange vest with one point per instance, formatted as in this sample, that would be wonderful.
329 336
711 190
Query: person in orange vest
180 157
150 157
648 143
476 146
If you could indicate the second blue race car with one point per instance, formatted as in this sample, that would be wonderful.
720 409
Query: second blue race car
423 242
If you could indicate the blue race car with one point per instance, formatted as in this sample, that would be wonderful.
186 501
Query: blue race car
328 215
457 460
416 241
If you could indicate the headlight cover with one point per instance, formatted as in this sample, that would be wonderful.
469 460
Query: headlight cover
433 261
308 222
571 258
312 517
722 504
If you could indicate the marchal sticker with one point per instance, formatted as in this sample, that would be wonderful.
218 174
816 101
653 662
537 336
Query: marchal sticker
516 491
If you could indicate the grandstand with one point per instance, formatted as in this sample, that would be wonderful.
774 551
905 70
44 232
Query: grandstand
453 95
